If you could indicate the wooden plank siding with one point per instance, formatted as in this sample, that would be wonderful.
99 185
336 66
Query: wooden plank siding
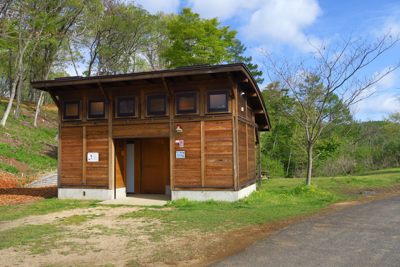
218 153
141 130
251 153
97 141
71 170
188 170
242 138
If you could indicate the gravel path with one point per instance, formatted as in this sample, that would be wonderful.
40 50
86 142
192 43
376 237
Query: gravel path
49 180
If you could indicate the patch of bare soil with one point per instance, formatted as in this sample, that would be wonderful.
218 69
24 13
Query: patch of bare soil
108 239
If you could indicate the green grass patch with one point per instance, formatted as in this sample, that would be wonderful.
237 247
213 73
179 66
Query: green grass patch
45 206
79 219
40 237
33 141
278 199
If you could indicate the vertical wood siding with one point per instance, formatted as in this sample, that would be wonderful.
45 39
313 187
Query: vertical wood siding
71 155
97 141
252 153
242 154
188 170
218 153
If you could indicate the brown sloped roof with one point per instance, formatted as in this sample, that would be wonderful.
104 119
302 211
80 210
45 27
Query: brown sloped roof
238 70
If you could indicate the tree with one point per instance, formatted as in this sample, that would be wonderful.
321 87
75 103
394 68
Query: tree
196 41
237 51
23 24
327 84
115 34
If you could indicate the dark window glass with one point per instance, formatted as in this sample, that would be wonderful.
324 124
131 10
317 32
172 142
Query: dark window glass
157 105
126 107
97 109
71 110
186 103
217 101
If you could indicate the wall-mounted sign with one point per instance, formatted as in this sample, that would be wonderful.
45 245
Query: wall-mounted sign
180 154
181 143
177 141
93 157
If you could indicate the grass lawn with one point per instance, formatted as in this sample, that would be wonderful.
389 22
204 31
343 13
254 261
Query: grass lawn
278 199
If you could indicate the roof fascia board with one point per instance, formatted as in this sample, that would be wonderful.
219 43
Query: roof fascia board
127 77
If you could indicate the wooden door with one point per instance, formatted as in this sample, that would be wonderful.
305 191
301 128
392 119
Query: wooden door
120 177
154 161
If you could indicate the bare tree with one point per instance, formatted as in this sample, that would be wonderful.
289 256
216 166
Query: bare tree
325 85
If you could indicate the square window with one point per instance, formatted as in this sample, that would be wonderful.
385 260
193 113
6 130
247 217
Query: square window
97 108
126 107
157 105
186 103
72 110
218 101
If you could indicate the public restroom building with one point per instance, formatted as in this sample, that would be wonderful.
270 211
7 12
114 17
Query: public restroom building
190 132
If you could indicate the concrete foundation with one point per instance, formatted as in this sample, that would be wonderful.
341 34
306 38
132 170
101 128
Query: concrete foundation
98 194
229 196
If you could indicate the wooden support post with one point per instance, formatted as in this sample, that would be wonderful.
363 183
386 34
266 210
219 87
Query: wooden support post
59 157
233 85
235 139
53 97
111 149
202 154
167 88
247 152
108 101
171 154
84 155
258 158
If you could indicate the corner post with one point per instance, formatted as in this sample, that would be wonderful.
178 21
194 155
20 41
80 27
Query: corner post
258 158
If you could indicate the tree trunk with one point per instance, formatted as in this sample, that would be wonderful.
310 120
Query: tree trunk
19 93
287 170
310 162
39 105
10 102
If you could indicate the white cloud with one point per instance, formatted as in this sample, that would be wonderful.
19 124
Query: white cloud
391 24
375 107
388 81
154 6
223 9
283 22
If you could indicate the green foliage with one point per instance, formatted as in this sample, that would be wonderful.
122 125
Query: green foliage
237 51
12 169
197 41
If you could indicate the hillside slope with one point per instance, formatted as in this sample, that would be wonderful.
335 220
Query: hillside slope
24 150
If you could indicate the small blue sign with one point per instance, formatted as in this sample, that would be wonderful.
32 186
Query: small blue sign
180 154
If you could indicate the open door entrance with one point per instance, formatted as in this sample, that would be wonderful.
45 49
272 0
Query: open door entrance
130 168
142 165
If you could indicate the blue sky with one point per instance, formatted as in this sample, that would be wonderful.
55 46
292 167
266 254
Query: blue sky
286 27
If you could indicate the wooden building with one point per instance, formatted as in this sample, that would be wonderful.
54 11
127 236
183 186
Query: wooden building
190 132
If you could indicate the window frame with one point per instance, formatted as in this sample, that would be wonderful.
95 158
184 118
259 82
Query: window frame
124 115
160 113
89 109
185 112
65 103
225 110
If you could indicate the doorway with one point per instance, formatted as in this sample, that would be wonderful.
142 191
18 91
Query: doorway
142 165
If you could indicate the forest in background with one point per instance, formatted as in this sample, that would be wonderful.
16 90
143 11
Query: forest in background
40 39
